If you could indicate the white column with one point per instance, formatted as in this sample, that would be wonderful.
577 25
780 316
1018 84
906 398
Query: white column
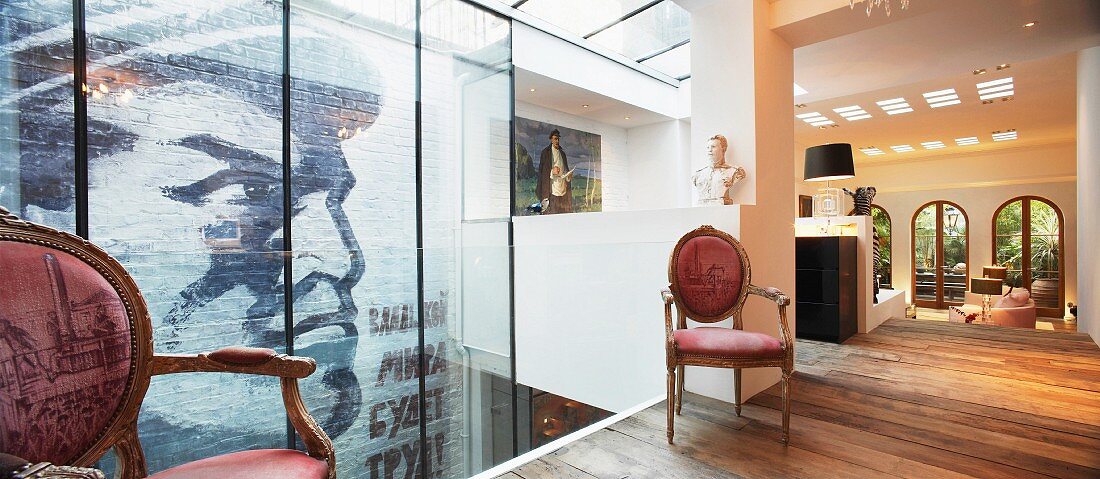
742 75
1088 190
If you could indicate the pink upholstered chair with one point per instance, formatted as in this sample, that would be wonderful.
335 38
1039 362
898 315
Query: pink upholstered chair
76 357
709 279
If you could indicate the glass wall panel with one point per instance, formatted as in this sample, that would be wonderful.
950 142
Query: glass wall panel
353 77
580 16
185 189
466 95
37 140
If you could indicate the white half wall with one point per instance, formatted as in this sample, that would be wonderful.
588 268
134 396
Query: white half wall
589 315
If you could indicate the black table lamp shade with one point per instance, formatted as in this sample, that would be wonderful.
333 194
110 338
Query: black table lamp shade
829 162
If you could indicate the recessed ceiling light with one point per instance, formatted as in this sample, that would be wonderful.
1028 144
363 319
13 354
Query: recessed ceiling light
1004 135
871 151
998 88
970 140
901 148
1003 66
894 106
1030 24
807 115
532 89
940 98
980 71
932 145
626 117
852 113
584 106
823 122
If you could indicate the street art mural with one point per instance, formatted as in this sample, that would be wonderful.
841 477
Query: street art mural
186 184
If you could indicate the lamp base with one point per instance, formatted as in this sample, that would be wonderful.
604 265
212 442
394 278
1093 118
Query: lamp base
827 203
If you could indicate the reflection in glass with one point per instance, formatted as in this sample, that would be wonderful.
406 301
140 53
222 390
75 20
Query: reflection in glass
37 142
924 251
656 28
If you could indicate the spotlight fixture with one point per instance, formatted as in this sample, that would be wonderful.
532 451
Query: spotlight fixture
584 106
626 117
1030 24
800 105
980 71
532 89
1003 66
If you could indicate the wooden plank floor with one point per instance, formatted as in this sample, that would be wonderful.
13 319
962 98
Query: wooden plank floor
914 399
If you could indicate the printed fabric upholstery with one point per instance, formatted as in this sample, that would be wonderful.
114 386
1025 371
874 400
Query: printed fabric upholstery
262 463
64 353
726 343
708 276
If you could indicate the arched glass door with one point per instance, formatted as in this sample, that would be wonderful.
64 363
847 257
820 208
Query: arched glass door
940 255
1027 238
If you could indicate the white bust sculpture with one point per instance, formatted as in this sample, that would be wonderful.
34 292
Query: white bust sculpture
713 183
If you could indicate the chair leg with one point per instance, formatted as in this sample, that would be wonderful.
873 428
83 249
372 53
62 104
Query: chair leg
679 388
786 407
737 391
671 401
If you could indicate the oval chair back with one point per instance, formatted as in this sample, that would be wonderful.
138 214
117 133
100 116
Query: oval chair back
708 273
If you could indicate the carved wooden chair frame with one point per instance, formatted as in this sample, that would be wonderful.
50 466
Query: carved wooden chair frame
121 429
676 360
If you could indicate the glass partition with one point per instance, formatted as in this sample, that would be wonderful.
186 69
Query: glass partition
341 193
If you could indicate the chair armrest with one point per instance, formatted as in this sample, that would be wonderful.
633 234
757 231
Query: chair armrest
781 300
236 359
773 294
266 362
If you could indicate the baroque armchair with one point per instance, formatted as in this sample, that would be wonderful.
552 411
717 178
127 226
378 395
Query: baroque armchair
709 279
76 358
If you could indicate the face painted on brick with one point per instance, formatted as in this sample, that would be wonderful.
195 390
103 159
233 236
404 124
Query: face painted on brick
186 189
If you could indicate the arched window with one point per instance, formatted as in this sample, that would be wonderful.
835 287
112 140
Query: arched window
940 255
881 219
1028 239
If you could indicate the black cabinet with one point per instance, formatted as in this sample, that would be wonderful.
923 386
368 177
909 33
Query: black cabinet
825 288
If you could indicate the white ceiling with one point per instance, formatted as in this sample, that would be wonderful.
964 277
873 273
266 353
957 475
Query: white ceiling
564 97
939 49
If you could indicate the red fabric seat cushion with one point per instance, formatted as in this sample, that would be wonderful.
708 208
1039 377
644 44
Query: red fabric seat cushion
708 275
265 463
727 343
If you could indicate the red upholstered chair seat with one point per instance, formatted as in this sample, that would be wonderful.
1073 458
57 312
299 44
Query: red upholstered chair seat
262 463
726 343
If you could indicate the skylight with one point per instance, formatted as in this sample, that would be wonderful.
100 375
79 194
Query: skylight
872 151
852 113
970 140
1004 135
894 106
940 98
996 89
902 148
932 145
